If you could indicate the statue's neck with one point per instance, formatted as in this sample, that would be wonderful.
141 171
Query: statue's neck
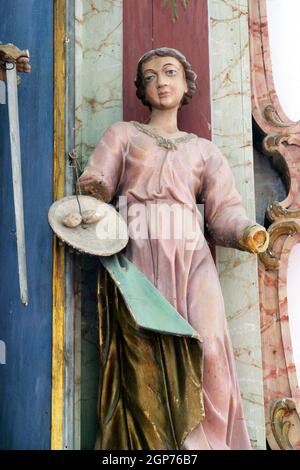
164 120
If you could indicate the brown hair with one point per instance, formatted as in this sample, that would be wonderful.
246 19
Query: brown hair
190 75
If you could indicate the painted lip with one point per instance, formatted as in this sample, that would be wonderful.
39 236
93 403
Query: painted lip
163 94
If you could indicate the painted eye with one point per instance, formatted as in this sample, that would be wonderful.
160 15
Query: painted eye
171 72
148 78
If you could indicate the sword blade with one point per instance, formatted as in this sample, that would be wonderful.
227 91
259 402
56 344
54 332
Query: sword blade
14 130
2 92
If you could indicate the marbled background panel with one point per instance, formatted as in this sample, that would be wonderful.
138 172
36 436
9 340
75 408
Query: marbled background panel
98 103
231 132
99 70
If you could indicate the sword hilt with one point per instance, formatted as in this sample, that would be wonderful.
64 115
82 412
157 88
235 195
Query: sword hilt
10 53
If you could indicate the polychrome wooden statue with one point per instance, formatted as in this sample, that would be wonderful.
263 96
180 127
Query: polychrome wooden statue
168 377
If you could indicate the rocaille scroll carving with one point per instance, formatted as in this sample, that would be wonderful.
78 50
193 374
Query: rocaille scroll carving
288 227
279 138
276 211
273 117
281 413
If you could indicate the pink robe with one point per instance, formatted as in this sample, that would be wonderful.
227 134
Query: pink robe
128 162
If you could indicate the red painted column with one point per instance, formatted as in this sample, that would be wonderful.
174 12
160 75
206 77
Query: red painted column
189 34
137 39
148 25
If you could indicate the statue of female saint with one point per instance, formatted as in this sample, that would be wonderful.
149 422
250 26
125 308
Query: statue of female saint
168 377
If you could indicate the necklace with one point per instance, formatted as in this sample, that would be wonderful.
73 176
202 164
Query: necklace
168 143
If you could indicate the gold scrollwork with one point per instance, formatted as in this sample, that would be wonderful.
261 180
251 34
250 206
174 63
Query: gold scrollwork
276 211
272 141
273 117
280 411
288 227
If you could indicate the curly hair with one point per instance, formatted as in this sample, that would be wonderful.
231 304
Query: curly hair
190 75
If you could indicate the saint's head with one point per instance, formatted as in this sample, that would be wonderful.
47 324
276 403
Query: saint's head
164 79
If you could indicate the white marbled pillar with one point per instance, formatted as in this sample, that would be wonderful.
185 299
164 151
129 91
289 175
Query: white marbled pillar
232 133
98 79
98 103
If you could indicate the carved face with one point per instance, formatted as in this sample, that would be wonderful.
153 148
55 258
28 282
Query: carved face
165 82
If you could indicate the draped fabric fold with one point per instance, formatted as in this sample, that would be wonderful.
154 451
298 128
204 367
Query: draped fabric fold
151 383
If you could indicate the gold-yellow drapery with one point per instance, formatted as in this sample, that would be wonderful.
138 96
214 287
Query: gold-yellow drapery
150 383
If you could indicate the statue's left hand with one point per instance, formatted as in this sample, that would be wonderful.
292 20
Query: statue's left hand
255 239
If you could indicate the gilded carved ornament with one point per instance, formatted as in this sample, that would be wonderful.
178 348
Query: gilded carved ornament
281 413
273 117
281 144
288 227
275 211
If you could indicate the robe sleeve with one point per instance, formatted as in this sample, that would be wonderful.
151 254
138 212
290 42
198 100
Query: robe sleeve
105 166
225 216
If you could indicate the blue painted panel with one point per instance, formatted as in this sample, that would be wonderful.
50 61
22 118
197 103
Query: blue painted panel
25 379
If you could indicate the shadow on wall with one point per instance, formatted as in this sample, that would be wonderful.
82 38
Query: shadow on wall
269 181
